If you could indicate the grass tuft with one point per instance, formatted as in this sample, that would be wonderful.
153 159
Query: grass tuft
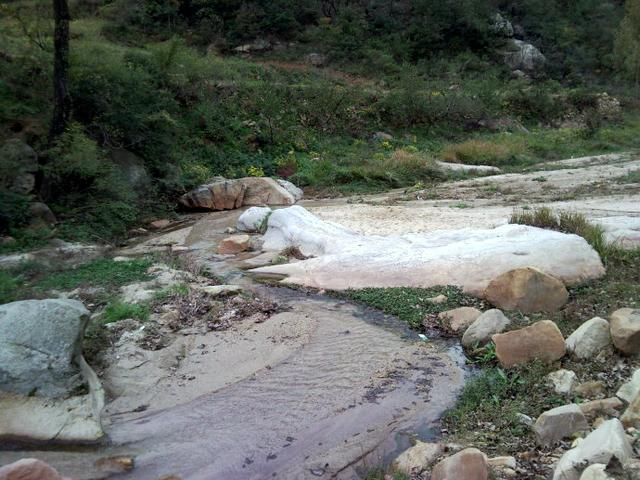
116 311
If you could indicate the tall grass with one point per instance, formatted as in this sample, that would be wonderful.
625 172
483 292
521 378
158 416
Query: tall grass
569 222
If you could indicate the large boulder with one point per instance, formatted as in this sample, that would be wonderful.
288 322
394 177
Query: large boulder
558 423
486 325
18 166
29 469
540 341
625 330
40 343
528 290
221 195
468 258
468 464
608 441
224 194
589 339
523 56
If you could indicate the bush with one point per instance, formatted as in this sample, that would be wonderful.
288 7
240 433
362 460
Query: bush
480 152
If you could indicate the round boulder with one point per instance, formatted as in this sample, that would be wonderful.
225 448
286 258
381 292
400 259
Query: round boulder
528 290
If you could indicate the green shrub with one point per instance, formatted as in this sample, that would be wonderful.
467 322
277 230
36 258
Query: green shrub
482 152
8 287
99 273
120 310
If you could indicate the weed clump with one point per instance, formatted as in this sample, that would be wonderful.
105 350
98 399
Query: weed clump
483 152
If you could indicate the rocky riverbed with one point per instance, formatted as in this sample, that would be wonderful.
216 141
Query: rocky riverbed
229 377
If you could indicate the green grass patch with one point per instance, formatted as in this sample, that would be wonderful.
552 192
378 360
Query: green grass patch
633 176
8 287
411 305
120 310
98 273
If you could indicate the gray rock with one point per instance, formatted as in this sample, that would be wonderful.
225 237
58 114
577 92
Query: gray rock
558 423
589 339
419 457
18 165
40 342
489 323
316 59
382 137
41 216
596 471
296 192
523 56
132 170
501 26
600 446
459 319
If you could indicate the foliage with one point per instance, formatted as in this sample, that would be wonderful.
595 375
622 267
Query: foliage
120 310
8 287
98 273
627 42
480 152
567 222
410 304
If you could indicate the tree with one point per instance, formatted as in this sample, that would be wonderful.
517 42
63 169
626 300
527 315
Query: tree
61 97
627 47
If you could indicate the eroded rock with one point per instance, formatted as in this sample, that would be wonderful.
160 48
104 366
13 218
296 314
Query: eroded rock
234 244
419 457
540 341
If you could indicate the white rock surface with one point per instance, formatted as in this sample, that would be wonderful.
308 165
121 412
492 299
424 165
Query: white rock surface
461 167
563 381
595 472
590 338
252 219
468 258
600 446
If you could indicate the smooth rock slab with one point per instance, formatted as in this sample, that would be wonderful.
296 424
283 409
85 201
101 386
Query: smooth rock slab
600 446
468 258
528 290
625 330
469 464
558 423
540 341
481 330
40 343
589 339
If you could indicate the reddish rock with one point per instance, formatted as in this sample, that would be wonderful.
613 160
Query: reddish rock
540 341
459 319
234 244
159 224
528 290
469 464
29 469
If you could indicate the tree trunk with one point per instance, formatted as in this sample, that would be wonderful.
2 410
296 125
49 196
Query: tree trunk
61 98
